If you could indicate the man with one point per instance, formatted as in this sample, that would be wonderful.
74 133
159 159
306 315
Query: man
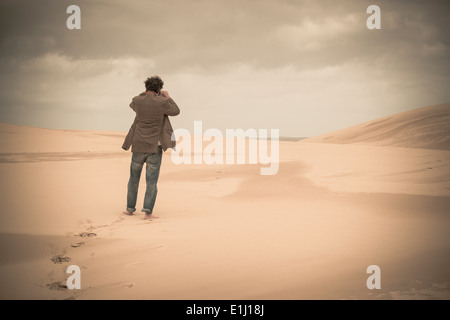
150 135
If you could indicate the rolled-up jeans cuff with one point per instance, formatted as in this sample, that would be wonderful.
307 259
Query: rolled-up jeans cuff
131 209
147 211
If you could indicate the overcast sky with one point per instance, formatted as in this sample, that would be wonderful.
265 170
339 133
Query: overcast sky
304 67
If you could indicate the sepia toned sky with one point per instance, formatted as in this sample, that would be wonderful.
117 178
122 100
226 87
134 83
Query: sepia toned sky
304 67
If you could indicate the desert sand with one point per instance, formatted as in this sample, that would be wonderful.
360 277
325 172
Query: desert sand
374 194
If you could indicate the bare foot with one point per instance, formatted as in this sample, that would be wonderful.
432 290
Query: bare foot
128 213
149 216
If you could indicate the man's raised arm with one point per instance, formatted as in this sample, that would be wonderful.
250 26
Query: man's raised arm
170 107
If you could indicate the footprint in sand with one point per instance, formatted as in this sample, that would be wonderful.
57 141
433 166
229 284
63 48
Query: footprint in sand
60 259
57 285
87 234
77 244
118 220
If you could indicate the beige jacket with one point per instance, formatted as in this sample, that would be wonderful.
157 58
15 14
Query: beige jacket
151 124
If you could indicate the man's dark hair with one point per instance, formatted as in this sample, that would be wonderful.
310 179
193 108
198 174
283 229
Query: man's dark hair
154 84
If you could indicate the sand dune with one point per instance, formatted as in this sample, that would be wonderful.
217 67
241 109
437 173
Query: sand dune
225 231
427 127
22 139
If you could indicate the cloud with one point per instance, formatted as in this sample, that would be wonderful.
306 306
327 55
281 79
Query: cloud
213 35
54 90
287 62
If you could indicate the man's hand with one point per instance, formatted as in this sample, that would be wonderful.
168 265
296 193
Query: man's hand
165 94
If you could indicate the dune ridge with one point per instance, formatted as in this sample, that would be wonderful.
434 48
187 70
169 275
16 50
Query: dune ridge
426 127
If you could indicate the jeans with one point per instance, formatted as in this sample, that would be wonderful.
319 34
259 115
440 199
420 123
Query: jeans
153 161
